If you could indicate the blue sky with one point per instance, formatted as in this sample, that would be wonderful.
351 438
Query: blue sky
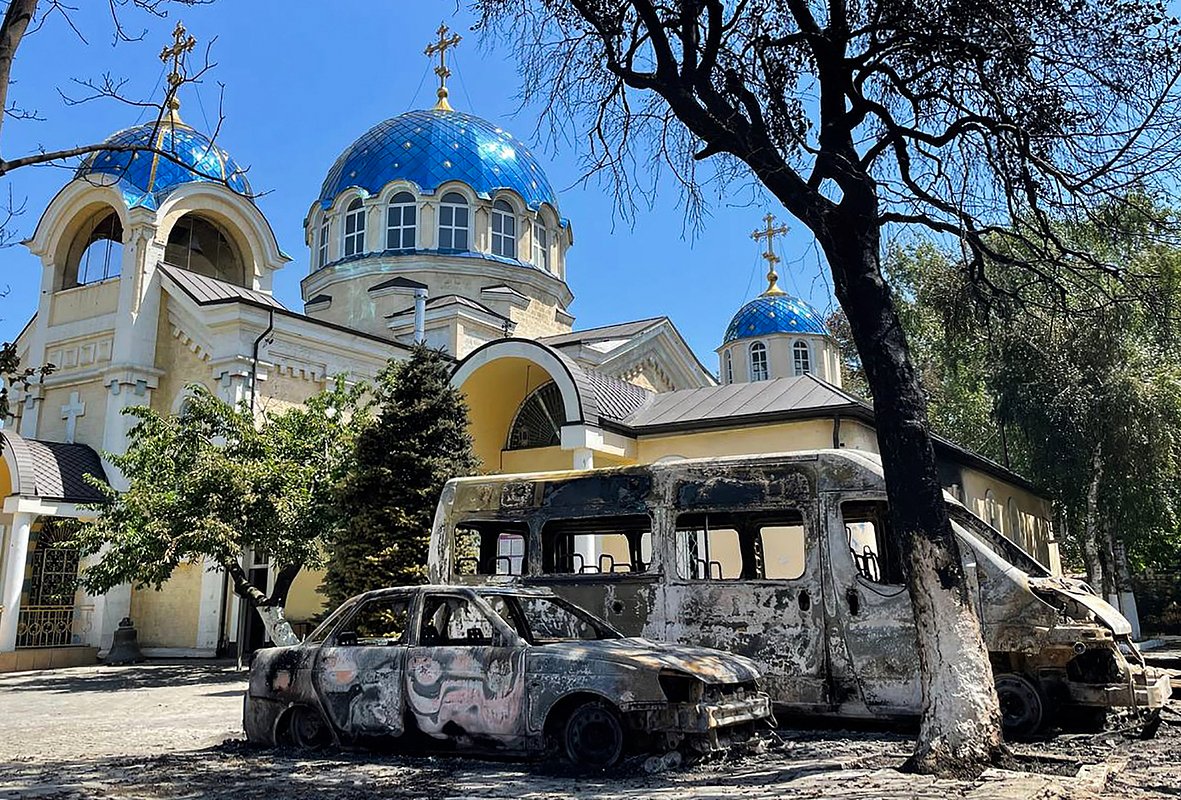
303 80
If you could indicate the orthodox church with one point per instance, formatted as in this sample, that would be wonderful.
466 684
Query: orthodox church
434 225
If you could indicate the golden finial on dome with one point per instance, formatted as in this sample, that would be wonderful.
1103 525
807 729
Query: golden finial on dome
441 47
182 45
769 233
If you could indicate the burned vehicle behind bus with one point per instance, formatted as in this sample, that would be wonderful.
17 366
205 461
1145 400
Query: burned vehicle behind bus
789 560
496 670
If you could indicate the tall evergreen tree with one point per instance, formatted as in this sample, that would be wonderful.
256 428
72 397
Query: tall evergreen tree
419 440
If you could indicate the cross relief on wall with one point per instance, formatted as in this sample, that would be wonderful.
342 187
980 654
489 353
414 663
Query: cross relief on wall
70 412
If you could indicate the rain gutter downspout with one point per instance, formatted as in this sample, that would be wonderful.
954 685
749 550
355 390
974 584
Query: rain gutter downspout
254 359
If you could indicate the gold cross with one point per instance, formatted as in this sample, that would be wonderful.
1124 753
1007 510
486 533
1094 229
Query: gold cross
441 47
769 233
181 46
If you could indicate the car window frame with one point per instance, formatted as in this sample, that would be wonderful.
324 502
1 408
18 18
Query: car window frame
332 640
509 637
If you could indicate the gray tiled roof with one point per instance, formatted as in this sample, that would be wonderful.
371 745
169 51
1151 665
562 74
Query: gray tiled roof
623 330
616 399
209 291
804 394
55 470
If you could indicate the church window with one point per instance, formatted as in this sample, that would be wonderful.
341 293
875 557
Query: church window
540 246
354 228
504 230
727 367
202 246
400 222
539 419
801 358
758 362
453 222
97 253
322 246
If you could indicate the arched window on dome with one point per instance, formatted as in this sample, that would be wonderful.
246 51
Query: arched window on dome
97 252
401 222
322 245
453 222
801 358
727 367
354 229
504 230
201 245
758 362
540 245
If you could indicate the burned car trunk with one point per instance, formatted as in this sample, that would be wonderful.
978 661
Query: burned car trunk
491 670
789 560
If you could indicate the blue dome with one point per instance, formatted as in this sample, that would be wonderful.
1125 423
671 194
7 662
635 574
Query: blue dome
434 146
774 313
148 177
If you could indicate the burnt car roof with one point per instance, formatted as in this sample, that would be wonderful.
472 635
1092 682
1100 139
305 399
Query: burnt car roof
482 591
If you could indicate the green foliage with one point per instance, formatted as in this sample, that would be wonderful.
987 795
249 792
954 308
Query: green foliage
419 440
12 375
210 483
1078 370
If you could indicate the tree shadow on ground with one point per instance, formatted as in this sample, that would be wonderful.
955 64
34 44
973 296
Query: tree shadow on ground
238 770
151 675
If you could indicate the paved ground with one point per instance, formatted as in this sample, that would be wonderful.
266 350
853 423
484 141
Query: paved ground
173 731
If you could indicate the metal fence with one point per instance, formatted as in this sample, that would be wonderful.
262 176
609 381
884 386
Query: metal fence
54 626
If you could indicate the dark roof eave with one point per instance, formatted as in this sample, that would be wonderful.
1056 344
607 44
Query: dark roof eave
858 411
286 312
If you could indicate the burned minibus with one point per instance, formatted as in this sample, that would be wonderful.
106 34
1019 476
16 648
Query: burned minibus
789 559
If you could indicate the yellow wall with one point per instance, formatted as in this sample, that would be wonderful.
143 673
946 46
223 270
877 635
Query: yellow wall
180 364
84 302
782 437
89 427
168 618
495 392
304 601
1031 529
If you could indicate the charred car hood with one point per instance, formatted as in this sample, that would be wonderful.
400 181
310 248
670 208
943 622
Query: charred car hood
1073 590
711 666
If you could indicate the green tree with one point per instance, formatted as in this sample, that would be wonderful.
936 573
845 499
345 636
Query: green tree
419 440
1085 403
210 483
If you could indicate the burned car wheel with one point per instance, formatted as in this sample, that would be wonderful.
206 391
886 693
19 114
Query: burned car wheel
1022 708
307 729
593 735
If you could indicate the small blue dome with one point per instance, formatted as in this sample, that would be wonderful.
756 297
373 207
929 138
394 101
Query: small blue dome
147 177
431 147
774 313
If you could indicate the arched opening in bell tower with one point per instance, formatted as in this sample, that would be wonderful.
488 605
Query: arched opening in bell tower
201 245
96 252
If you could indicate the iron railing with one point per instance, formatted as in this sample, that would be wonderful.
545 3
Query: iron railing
54 626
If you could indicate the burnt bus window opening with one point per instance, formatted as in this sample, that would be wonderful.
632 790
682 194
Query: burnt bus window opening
872 546
490 548
732 546
597 546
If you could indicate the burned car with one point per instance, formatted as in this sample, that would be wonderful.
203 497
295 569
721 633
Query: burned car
791 560
496 669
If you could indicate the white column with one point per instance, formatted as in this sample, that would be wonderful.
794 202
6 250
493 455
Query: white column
207 613
14 579
584 458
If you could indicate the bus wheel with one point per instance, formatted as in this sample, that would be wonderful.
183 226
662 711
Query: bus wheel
593 735
1022 708
307 729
